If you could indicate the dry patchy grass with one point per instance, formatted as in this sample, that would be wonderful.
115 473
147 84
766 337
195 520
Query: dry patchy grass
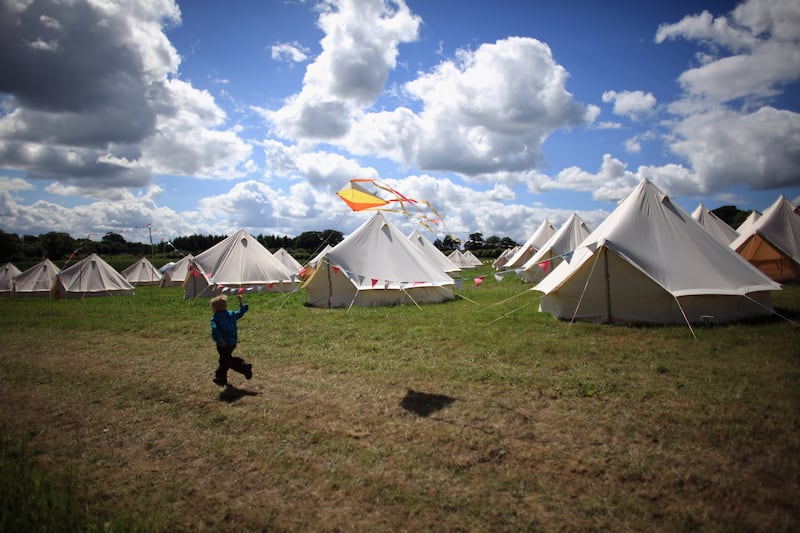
400 419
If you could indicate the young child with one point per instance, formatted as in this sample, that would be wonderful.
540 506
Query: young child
225 333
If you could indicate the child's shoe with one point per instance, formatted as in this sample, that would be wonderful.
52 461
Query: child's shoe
248 371
219 381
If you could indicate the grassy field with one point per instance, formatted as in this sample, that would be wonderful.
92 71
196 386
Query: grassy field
479 415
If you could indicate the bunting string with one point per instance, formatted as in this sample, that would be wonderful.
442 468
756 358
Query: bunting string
361 280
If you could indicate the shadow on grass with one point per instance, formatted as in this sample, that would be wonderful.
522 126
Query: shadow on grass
231 394
423 403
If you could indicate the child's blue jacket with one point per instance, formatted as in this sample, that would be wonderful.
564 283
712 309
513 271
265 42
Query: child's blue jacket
223 325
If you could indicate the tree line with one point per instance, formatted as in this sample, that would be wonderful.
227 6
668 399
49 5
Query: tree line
56 245
59 245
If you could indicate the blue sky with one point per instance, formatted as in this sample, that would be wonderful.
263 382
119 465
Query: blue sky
208 117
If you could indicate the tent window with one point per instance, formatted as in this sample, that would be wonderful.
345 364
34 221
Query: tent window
244 242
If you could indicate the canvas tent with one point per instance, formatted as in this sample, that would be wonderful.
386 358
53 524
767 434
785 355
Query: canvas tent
89 277
317 258
7 273
376 265
458 258
291 264
176 274
239 261
714 225
501 260
433 253
772 244
531 246
36 281
142 272
650 262
563 242
747 225
471 259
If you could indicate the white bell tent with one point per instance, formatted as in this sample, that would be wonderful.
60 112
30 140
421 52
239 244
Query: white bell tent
237 262
376 265
552 253
36 281
90 277
714 225
772 242
142 272
650 262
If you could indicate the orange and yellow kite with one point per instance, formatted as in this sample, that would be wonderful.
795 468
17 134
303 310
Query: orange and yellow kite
359 198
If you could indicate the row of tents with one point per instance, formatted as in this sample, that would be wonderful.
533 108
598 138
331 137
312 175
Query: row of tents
92 276
651 262
648 262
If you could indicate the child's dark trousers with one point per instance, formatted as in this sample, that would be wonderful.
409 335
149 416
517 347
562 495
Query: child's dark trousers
228 361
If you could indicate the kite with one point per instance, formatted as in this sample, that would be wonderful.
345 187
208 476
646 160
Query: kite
359 198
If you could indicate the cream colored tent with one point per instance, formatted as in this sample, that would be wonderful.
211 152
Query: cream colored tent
772 243
142 272
503 258
650 262
714 225
458 258
36 281
548 257
90 277
7 273
471 259
531 246
747 225
317 258
433 253
176 274
239 261
376 265
291 264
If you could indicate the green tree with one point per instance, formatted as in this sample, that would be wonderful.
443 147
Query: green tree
731 215
113 244
507 242
448 244
9 246
57 245
312 241
475 242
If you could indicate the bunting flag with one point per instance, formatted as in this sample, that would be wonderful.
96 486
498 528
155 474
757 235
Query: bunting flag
545 265
71 256
479 280
374 282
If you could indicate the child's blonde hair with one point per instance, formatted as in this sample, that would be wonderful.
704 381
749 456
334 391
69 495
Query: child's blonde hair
219 302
